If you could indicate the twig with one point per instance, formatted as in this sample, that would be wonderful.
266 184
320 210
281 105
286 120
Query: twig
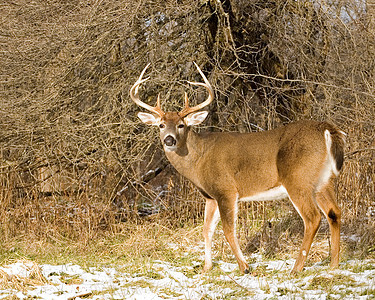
358 151
83 295
241 286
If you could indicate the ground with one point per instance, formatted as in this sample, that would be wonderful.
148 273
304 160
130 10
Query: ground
269 279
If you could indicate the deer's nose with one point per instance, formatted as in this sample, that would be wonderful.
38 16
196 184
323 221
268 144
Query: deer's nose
170 141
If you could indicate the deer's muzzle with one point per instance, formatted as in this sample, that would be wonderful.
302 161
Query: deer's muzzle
170 141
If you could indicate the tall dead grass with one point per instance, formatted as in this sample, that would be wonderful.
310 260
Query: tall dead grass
74 160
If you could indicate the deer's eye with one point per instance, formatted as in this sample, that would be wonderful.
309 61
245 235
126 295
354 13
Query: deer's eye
180 126
161 126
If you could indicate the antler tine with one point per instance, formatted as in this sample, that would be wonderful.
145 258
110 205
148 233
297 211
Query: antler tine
135 96
187 109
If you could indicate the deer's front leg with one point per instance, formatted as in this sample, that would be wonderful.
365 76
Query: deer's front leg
228 214
211 218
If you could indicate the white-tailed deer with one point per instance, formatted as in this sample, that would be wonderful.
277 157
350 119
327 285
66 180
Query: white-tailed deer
299 161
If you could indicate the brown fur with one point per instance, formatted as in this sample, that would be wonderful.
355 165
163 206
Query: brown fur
227 166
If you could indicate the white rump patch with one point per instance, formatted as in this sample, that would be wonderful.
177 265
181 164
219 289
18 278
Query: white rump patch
277 193
330 164
331 160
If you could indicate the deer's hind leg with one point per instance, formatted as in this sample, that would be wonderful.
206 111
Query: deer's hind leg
325 198
303 200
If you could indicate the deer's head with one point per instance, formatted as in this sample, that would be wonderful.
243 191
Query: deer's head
173 126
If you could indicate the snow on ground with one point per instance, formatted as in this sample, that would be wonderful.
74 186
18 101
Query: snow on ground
269 279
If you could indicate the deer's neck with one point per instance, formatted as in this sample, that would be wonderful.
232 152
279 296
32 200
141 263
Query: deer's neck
186 158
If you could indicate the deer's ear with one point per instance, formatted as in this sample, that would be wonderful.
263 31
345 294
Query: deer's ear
149 119
195 118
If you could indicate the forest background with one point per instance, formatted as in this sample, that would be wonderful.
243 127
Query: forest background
75 162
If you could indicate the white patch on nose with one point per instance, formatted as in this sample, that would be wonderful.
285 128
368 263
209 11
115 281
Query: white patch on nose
304 253
169 148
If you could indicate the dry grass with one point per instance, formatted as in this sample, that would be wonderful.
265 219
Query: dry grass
73 157
31 276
